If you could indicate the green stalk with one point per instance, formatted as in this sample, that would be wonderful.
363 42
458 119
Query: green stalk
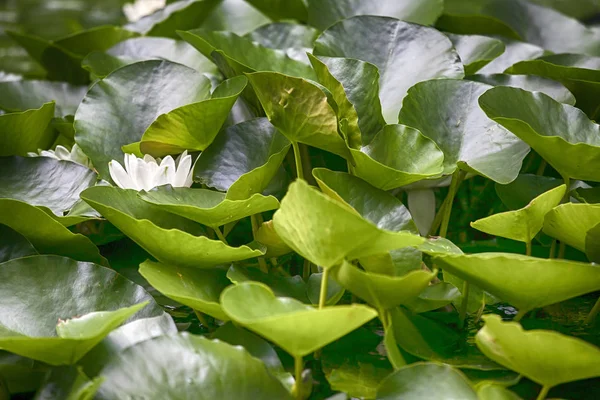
561 250
593 313
261 261
520 315
552 249
528 248
297 390
463 305
567 194
543 393
220 234
306 270
457 178
298 158
202 320
324 283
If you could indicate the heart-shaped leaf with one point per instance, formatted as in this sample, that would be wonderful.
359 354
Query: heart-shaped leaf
164 235
382 291
14 245
570 142
514 52
192 127
28 95
229 372
282 286
426 380
392 45
60 326
570 223
104 122
295 39
523 224
326 231
520 192
296 327
525 282
193 287
546 357
299 110
446 111
46 234
476 51
267 235
27 131
397 156
243 159
324 13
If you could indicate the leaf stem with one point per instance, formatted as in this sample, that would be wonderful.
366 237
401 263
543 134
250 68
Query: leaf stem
593 313
541 168
306 270
561 250
520 315
462 316
220 235
261 261
298 365
298 158
457 178
567 192
324 283
552 249
528 248
202 320
543 393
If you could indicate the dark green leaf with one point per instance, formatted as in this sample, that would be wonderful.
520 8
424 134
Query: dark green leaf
26 131
28 95
14 245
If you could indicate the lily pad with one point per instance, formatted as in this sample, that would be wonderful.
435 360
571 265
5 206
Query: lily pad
324 13
295 39
192 127
47 235
26 131
433 297
426 380
446 111
193 287
59 326
523 224
28 95
382 291
520 192
514 52
228 372
546 357
282 9
476 51
525 282
421 53
326 231
299 110
165 236
570 223
104 123
282 286
570 142
14 245
267 235
296 327
236 16
397 156
243 159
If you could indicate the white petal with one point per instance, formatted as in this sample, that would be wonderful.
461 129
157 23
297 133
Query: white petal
169 174
162 176
128 162
144 178
120 176
180 157
31 154
48 153
421 204
183 170
62 153
149 159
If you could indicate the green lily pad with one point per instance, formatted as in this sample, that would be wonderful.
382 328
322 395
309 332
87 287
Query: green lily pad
207 207
28 95
45 182
160 233
299 110
324 13
426 380
592 243
421 53
229 372
47 235
296 327
62 58
570 223
192 127
313 287
523 224
281 9
294 39
235 16
59 326
514 52
433 297
494 391
382 291
183 14
520 192
27 131
282 286
546 357
587 195
103 122
525 282
455 123
193 287
243 159
570 142
267 235
14 245
476 51
326 231
397 156
531 83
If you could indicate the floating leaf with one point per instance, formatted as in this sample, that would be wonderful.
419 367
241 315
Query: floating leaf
14 245
295 39
570 142
118 110
28 95
446 111
546 357
326 231
421 53
570 223
476 51
26 131
228 372
82 308
159 232
514 52
196 288
523 224
296 327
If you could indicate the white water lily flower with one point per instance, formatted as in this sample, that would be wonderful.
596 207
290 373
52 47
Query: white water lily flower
141 8
147 173
75 155
421 204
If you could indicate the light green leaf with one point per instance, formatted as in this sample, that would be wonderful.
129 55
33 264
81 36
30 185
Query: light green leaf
476 51
433 297
27 131
570 223
295 39
275 246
